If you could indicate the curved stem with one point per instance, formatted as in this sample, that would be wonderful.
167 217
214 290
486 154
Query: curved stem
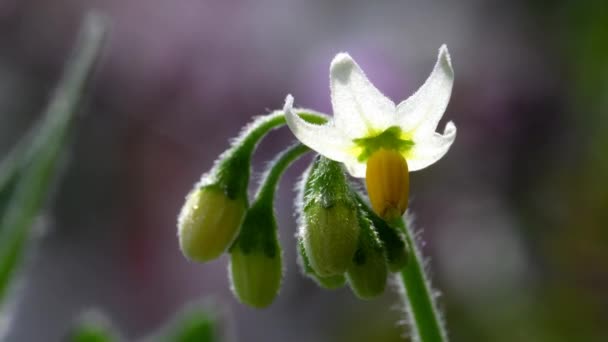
254 132
424 318
277 167
231 170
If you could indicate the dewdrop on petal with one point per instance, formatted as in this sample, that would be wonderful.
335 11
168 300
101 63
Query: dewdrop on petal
330 228
208 223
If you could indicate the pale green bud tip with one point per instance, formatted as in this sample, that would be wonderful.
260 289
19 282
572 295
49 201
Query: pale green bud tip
330 283
255 277
367 274
208 223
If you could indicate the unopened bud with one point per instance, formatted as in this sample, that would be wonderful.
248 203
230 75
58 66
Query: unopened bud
331 282
330 228
209 222
368 271
392 240
210 218
255 259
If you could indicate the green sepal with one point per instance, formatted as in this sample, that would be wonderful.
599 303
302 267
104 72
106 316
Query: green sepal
391 138
327 186
231 173
392 240
258 231
329 228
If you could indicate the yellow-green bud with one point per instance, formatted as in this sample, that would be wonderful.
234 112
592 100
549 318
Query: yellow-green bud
255 257
330 228
368 271
209 222
331 282
255 277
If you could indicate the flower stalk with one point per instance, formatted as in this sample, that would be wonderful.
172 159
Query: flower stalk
256 256
232 167
423 315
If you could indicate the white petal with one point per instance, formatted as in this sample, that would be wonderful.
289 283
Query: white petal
358 106
421 112
427 151
324 139
355 168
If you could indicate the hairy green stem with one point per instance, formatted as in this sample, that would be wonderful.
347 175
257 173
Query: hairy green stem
277 167
232 167
424 317
254 132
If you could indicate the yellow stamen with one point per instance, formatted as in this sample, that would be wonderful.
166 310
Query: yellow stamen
388 183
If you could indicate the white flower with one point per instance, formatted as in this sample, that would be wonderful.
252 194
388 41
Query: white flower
365 121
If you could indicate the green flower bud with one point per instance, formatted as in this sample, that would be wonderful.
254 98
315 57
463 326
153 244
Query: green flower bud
393 241
368 271
255 258
209 222
330 228
211 216
331 282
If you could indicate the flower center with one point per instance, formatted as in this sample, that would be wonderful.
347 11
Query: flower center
387 181
391 139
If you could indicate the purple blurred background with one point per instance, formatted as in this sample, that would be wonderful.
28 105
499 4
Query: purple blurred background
515 217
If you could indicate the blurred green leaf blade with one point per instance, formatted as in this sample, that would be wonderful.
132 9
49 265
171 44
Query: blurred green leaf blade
92 326
196 327
89 332
198 322
27 172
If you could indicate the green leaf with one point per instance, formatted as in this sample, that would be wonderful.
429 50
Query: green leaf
92 327
197 323
27 172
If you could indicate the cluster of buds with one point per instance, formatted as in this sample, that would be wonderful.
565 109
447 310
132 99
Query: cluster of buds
341 239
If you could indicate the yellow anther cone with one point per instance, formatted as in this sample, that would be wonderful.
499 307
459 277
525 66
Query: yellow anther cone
388 183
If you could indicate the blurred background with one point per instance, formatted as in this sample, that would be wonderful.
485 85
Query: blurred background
514 218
